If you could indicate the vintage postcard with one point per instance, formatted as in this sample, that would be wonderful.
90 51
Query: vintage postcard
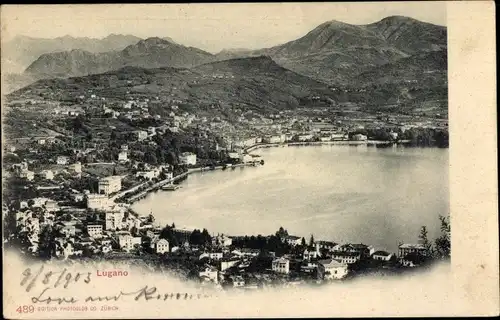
249 160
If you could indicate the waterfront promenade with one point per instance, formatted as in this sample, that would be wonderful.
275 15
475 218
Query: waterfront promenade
159 184
318 143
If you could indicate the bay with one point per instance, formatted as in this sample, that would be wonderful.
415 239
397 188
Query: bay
357 194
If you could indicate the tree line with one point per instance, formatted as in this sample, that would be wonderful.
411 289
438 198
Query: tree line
441 248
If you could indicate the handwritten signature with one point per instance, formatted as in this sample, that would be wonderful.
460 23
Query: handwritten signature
145 293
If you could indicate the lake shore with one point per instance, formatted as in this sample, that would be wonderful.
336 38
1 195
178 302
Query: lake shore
319 143
158 185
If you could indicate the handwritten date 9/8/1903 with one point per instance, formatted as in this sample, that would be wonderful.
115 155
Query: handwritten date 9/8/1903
52 278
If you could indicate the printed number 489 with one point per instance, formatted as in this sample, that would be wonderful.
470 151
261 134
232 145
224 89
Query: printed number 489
25 309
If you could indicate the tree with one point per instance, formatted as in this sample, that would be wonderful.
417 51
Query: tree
151 218
424 240
311 241
282 232
47 243
168 234
146 244
195 238
303 242
134 231
206 238
443 245
150 158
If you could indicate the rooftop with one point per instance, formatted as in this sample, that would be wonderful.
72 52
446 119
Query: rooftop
411 246
345 254
331 263
381 253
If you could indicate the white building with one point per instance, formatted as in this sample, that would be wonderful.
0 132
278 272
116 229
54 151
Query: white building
237 281
66 248
28 175
209 273
110 185
293 240
212 255
47 174
245 158
127 242
123 156
169 175
338 136
162 246
226 264
222 240
281 265
75 167
346 257
141 135
382 256
188 158
151 131
234 155
407 248
333 269
19 167
62 160
312 253
359 137
51 206
68 228
305 137
114 220
94 230
326 245
98 202
151 174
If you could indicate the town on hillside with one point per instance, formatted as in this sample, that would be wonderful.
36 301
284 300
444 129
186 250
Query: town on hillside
95 132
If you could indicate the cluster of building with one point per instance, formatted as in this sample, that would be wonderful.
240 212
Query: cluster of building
61 166
228 265
103 226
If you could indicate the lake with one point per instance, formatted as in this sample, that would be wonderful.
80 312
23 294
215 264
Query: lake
359 194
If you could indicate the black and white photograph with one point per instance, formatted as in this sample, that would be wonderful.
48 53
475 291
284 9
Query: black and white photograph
232 149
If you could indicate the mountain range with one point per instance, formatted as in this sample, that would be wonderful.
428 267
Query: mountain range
148 53
334 52
21 51
385 57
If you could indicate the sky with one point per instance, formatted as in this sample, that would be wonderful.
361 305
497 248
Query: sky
211 27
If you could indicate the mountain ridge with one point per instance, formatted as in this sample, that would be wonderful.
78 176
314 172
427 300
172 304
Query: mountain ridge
335 52
152 52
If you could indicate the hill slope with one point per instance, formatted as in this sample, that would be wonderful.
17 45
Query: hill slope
259 83
149 53
21 51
